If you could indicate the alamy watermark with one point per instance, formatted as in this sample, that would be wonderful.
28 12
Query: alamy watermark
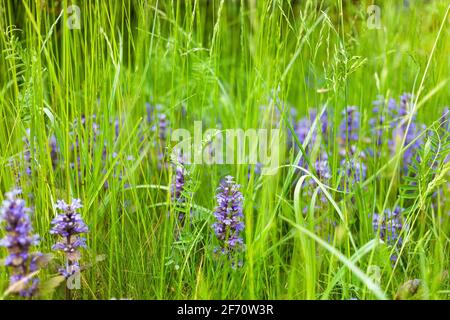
374 18
230 146
74 17
73 282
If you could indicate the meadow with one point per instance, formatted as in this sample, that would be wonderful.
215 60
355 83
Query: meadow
98 203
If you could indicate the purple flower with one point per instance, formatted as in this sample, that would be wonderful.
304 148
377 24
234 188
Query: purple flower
355 170
69 225
378 121
18 240
70 269
323 173
178 184
149 110
322 167
349 127
400 125
177 188
389 226
163 125
229 216
54 151
393 124
303 126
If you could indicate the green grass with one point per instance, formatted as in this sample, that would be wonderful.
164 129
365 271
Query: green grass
218 62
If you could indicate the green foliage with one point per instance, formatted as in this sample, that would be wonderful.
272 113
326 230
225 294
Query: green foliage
230 64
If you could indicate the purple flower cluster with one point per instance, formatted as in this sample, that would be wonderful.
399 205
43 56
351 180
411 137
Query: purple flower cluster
229 216
320 164
352 162
377 123
354 169
79 145
163 127
394 121
69 225
322 167
177 188
178 184
159 125
389 226
349 127
323 173
54 151
303 126
19 240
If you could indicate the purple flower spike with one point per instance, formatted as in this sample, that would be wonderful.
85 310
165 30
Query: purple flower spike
303 126
323 167
399 126
18 240
177 187
389 227
163 127
354 170
149 110
349 127
69 225
229 217
178 184
54 151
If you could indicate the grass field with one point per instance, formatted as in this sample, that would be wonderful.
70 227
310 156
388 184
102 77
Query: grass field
357 208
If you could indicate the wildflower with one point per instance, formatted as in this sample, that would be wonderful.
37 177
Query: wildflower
322 123
323 173
445 119
399 127
352 164
377 122
354 170
18 241
389 227
149 110
303 126
323 168
349 127
177 188
229 217
69 225
54 151
178 184
162 126
410 141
